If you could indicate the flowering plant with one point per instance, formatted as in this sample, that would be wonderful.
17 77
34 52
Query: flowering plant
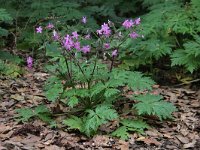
85 76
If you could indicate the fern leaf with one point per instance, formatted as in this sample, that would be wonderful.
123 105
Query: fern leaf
53 88
97 88
111 92
24 114
41 109
73 101
100 116
135 125
74 123
121 132
138 82
154 105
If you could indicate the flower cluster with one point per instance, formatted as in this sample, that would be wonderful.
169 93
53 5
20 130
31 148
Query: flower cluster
72 41
105 30
29 62
130 23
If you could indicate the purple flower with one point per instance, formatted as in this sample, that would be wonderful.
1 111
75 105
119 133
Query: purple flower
134 35
99 32
75 35
39 29
137 21
87 36
128 23
50 26
29 62
55 35
85 49
68 42
84 20
77 46
105 30
107 45
114 53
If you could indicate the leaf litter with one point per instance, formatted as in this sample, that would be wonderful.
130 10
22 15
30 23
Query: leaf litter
25 92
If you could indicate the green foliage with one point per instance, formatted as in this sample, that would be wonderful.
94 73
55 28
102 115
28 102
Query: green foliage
53 88
189 56
93 119
10 70
154 105
91 87
130 125
134 80
5 18
6 56
41 111
74 123
10 65
168 28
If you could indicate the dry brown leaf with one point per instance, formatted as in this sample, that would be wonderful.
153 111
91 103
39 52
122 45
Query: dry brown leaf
167 136
190 145
123 145
17 97
101 140
30 140
153 133
184 140
4 128
156 86
150 141
54 147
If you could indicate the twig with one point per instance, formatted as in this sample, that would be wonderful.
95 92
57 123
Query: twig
192 81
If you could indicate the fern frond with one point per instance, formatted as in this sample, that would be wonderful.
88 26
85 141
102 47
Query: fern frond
154 105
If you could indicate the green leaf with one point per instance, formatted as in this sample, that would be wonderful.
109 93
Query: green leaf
41 109
154 105
74 123
97 88
9 57
45 117
52 50
73 101
24 114
101 115
134 80
135 125
4 15
111 92
121 132
53 88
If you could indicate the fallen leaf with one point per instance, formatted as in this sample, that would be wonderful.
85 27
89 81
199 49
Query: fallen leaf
182 139
17 97
123 145
54 147
153 133
101 140
190 145
4 128
150 141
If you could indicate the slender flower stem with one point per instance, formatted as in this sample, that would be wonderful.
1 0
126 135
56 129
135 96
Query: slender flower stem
112 63
78 64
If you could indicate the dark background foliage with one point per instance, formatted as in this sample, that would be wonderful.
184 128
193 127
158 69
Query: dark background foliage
170 28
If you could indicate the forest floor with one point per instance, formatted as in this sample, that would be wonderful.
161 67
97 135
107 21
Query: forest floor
181 133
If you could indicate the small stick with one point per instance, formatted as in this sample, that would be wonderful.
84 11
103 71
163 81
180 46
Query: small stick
192 81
